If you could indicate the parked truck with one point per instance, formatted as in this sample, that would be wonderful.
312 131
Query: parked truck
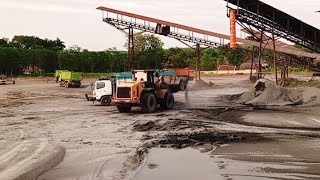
68 78
4 79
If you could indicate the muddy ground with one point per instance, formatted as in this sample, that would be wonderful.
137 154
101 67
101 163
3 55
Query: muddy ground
232 141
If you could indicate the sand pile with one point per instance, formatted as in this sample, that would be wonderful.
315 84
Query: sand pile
200 85
266 93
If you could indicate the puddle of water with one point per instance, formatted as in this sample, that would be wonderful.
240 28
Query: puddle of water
190 164
179 165
282 119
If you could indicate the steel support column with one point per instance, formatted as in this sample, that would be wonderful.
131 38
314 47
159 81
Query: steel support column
198 57
260 55
130 49
275 58
283 74
252 61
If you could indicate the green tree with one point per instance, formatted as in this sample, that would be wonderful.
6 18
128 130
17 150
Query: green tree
234 56
33 42
4 42
148 51
145 42
209 59
180 57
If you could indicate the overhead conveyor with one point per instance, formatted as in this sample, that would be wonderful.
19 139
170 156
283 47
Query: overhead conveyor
123 20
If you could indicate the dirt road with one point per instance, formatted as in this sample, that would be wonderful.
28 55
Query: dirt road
101 143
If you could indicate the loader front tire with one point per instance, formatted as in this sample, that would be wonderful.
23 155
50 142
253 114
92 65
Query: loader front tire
148 103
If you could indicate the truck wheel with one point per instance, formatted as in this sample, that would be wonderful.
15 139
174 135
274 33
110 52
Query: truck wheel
105 100
124 109
168 101
148 103
66 84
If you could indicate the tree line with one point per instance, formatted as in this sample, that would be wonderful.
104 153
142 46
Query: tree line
27 53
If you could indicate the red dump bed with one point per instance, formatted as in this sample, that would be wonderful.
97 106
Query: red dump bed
184 72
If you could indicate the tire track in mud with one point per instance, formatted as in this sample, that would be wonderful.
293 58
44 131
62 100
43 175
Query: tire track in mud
235 116
28 158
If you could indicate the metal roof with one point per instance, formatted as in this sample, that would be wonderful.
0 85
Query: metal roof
295 30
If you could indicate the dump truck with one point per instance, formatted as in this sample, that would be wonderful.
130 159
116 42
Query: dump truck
68 78
146 89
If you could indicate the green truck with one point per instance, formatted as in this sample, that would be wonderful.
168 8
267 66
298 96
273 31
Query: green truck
68 78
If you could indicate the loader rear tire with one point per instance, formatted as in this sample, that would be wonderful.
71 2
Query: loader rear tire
148 103
168 101
124 109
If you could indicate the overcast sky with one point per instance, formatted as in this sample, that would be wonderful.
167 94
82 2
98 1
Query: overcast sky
77 22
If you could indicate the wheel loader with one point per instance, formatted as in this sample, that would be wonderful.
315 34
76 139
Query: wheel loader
146 90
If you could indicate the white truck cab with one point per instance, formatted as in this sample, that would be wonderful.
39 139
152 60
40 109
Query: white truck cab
102 91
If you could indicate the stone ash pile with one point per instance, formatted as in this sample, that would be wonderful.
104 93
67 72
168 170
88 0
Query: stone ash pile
266 93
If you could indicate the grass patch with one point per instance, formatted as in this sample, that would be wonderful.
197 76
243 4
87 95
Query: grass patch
296 83
96 75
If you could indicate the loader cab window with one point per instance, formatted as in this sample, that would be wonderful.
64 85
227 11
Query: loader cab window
101 85
157 74
150 80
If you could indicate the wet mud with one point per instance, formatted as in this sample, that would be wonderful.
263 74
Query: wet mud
194 139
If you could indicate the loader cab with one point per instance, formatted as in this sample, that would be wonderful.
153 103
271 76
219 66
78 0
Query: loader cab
147 76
